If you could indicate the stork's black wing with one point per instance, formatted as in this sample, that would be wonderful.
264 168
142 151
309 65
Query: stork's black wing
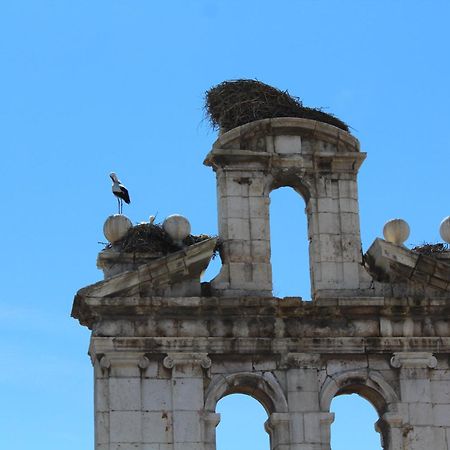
123 194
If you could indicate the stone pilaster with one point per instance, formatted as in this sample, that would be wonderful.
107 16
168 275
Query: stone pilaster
188 371
416 406
307 428
118 399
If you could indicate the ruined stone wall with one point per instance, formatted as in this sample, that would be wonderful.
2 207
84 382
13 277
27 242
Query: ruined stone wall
378 325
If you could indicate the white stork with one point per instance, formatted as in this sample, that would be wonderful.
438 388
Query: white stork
120 191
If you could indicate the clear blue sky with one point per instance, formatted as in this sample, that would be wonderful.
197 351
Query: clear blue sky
87 87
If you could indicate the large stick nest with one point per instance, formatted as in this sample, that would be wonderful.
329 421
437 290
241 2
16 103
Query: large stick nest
234 103
151 238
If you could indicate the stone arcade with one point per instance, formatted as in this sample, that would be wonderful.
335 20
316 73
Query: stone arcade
166 349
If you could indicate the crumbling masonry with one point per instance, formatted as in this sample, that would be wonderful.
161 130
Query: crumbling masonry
166 349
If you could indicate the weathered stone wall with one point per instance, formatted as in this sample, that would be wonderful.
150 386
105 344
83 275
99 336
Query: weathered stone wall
161 369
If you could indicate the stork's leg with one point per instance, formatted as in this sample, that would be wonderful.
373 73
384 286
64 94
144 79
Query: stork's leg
118 204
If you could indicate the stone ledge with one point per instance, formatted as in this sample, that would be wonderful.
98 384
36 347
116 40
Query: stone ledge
275 347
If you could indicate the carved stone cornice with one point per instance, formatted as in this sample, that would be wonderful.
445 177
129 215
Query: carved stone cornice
413 360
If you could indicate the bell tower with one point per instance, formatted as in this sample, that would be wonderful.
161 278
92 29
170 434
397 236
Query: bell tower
320 162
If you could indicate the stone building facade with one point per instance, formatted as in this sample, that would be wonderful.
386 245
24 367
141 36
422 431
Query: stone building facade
166 348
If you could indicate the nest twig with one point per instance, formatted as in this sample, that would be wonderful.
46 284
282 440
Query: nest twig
234 103
431 249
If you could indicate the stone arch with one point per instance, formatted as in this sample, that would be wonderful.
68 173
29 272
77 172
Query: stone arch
262 387
366 383
371 386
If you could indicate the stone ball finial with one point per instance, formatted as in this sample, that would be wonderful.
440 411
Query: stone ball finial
444 229
177 227
396 231
116 227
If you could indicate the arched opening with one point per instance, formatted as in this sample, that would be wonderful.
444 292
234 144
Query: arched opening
241 424
289 244
354 424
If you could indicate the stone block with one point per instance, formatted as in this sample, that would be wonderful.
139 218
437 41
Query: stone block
156 395
260 250
238 251
440 391
303 401
351 275
441 415
331 273
101 394
259 207
312 427
186 426
415 390
262 274
304 380
238 207
327 205
257 187
288 144
187 394
297 428
240 273
420 414
239 229
348 189
102 427
328 223
349 223
125 426
348 205
125 394
330 246
260 229
157 427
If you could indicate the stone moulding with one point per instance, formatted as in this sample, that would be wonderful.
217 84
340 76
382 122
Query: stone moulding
307 128
185 265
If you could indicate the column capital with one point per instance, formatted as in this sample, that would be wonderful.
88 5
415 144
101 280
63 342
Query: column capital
413 360
174 359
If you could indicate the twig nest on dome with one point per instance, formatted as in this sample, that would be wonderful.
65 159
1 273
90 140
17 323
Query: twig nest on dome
444 229
236 102
116 227
396 231
177 227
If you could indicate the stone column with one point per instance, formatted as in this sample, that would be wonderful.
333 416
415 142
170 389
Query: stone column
416 407
309 426
187 398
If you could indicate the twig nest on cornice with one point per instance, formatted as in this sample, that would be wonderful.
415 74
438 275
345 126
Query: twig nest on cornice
234 103
444 229
116 227
396 231
177 227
